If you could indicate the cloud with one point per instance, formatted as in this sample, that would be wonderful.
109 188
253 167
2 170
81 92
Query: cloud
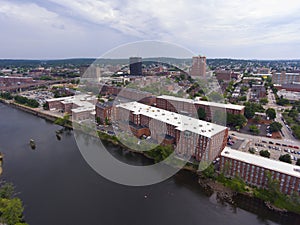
214 28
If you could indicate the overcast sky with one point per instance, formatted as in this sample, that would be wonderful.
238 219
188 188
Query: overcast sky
45 29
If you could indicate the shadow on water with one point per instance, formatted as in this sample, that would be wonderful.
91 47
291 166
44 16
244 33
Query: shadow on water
263 213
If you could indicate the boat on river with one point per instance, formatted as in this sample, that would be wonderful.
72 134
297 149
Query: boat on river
32 143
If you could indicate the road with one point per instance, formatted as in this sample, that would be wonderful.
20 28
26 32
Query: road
288 136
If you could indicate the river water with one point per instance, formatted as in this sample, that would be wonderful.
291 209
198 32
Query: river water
59 188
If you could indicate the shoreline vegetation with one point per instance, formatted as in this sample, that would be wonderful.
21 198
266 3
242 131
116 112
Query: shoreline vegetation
11 207
225 188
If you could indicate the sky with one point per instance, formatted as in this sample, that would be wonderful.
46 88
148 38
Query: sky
246 29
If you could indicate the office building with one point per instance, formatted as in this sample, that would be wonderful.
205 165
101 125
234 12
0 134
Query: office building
198 68
135 66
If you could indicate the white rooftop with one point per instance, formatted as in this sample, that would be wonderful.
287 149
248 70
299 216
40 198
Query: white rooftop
271 164
197 101
82 101
181 122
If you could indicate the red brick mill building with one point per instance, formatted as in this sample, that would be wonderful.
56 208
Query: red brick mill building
190 136
253 170
189 106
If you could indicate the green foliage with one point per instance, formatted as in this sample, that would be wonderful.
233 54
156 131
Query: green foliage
6 95
254 129
235 183
98 120
160 152
271 113
46 106
285 158
251 150
201 114
26 101
264 153
296 131
275 127
209 172
256 119
236 120
298 162
293 113
263 101
273 195
7 191
282 101
251 108
107 121
44 77
242 98
63 121
11 209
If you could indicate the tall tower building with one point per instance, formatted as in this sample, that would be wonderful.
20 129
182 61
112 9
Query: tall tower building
198 68
135 66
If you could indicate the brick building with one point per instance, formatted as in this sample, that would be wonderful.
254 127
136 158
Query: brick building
7 81
254 170
81 107
189 106
191 137
104 111
285 78
198 68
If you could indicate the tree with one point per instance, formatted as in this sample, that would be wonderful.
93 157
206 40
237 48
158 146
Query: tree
201 114
298 162
251 150
209 172
254 129
7 191
275 127
256 119
11 211
285 158
265 153
249 112
107 121
236 120
296 131
263 101
282 101
271 113
45 106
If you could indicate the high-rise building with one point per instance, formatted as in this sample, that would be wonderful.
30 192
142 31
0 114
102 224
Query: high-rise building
198 68
135 66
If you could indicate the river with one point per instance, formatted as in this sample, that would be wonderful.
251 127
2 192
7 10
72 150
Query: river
59 188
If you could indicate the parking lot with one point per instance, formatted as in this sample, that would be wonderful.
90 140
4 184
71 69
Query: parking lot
276 149
38 95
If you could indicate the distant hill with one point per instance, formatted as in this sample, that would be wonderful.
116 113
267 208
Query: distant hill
174 61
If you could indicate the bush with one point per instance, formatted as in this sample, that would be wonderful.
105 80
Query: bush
265 153
285 158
